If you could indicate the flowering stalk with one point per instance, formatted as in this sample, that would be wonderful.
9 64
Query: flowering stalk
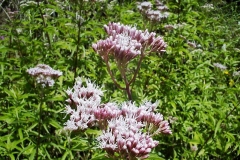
124 44
45 76
42 97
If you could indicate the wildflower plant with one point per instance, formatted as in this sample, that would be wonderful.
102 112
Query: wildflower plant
124 44
129 129
44 75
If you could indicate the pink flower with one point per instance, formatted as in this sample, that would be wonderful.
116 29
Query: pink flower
126 42
104 47
125 137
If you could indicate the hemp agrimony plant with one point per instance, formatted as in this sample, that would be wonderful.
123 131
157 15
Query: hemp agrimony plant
44 75
127 130
124 44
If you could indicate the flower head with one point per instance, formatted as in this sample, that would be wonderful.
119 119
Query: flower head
126 42
192 44
81 94
44 74
220 66
83 102
104 48
208 6
148 13
107 111
236 73
125 48
194 148
124 137
156 16
169 27
144 6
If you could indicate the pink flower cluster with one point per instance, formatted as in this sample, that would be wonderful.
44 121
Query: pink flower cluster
127 130
44 74
124 136
157 15
126 42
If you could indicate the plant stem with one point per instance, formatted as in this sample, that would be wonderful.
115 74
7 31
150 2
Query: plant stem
128 89
44 23
78 39
137 70
179 10
39 123
122 69
112 77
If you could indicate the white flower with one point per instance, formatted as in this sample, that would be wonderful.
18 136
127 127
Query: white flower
236 73
44 74
220 66
85 101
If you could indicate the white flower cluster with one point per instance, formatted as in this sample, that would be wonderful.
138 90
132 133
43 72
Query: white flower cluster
153 15
83 101
44 74
220 66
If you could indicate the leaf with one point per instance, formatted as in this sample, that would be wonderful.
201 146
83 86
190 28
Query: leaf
11 156
27 150
93 131
55 124
211 121
154 156
68 152
7 119
197 139
20 133
229 144
217 127
56 98
102 156
230 136
201 152
32 156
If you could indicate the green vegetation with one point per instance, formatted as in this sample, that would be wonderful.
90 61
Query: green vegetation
196 80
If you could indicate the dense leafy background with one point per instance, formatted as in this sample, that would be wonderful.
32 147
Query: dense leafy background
200 100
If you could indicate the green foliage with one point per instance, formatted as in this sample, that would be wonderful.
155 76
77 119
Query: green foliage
200 100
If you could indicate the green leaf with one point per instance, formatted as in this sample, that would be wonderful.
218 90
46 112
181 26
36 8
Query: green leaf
69 154
93 131
55 124
229 144
101 156
217 128
20 133
27 150
154 156
197 139
7 119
